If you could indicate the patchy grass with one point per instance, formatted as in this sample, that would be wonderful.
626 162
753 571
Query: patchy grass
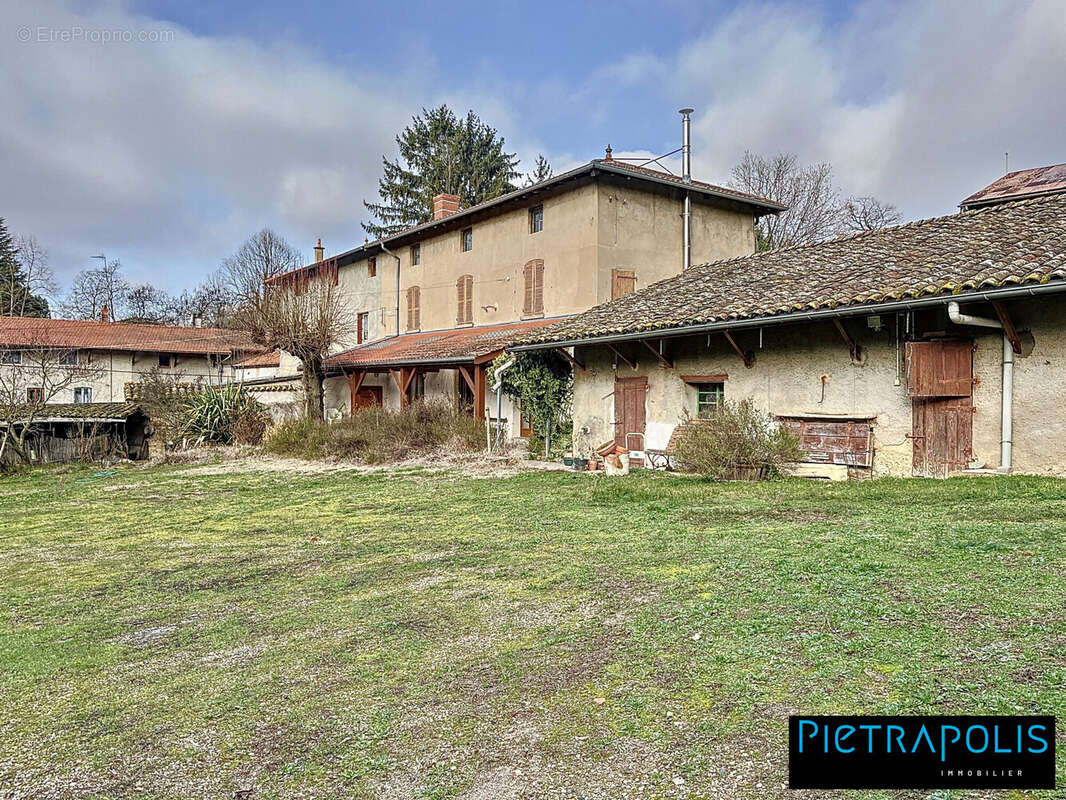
168 633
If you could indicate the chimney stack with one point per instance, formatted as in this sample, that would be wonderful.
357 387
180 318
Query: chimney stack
444 205
686 176
104 315
320 251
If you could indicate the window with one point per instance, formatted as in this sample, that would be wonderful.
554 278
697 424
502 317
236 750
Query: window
362 332
69 358
536 219
416 255
34 395
414 308
83 394
371 267
465 292
11 357
709 398
623 282
466 240
533 277
167 360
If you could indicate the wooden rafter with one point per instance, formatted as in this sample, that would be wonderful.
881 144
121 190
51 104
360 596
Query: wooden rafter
747 358
573 361
355 380
408 376
617 352
397 378
852 346
1008 326
666 362
468 378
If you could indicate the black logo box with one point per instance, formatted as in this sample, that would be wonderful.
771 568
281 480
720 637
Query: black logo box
935 759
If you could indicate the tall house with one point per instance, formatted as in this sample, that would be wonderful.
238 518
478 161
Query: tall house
434 304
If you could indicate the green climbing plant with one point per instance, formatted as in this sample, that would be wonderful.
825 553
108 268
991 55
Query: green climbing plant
544 382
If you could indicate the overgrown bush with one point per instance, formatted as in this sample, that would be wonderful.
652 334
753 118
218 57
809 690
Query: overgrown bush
736 442
377 436
223 415
543 381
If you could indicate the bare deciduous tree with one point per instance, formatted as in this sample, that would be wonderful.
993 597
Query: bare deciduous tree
815 211
31 378
92 289
867 214
301 313
37 279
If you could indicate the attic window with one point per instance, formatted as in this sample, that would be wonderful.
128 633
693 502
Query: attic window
416 255
166 360
69 358
371 267
536 219
466 240
11 357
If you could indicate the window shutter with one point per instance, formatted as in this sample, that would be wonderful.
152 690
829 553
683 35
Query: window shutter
414 310
527 280
538 287
623 282
465 292
469 299
460 290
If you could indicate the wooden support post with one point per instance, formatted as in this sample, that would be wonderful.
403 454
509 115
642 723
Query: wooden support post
468 378
1008 327
479 391
666 362
854 348
747 358
573 361
410 376
617 352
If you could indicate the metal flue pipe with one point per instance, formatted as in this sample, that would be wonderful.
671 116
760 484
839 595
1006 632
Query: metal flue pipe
497 386
686 176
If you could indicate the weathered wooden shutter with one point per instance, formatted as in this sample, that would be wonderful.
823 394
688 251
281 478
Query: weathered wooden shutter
940 368
465 293
623 282
527 280
533 279
414 310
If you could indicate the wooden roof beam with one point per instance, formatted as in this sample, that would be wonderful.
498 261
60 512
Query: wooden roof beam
618 353
747 358
1008 327
666 362
856 351
573 361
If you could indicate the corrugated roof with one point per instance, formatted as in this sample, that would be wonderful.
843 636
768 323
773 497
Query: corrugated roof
448 346
1021 184
1015 243
16 332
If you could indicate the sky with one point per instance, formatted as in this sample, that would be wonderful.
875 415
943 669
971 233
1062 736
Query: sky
165 132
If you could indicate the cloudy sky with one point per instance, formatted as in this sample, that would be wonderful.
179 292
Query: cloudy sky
163 134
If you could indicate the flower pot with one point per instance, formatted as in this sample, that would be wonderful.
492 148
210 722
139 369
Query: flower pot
568 460
580 464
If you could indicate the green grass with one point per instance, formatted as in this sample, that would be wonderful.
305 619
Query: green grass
170 633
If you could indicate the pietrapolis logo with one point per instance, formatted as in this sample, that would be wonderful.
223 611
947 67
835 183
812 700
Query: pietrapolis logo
963 752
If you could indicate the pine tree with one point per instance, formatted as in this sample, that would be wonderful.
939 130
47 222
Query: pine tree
16 296
542 170
439 152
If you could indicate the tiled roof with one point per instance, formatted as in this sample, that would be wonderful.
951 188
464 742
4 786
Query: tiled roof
452 345
1020 184
271 358
759 205
92 335
86 411
1015 243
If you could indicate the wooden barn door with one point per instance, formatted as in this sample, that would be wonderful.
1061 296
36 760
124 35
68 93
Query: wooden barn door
630 395
940 383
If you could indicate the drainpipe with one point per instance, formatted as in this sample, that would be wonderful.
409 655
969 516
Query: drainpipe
686 176
387 250
1007 407
497 387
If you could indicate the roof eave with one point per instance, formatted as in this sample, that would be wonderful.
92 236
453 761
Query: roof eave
1052 287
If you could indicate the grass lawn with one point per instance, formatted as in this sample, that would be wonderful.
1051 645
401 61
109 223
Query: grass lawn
171 633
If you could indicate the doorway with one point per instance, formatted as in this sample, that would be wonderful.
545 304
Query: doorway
630 396
940 383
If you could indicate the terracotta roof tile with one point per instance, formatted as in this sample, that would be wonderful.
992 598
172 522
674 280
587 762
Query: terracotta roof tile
452 345
270 358
1020 184
1014 243
92 335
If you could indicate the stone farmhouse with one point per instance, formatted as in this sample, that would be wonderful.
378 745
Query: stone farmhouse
435 304
930 348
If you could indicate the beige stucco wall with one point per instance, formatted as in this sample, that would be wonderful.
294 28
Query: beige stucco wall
109 371
644 232
786 380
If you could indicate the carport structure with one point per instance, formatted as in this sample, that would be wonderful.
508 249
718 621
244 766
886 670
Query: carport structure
467 350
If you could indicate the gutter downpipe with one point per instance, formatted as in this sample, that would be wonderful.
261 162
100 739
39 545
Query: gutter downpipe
1007 393
497 387
387 250
686 176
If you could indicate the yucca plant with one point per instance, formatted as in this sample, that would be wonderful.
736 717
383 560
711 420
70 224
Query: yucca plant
223 415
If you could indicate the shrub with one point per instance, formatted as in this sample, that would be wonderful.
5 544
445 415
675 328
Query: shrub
736 441
377 436
223 415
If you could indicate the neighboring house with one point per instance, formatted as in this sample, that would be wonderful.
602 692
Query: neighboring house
275 386
926 349
434 304
114 353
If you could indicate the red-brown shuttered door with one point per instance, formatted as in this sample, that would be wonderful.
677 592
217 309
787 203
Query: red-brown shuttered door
630 394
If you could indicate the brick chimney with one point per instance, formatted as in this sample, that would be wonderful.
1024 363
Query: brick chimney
444 205
320 251
104 317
